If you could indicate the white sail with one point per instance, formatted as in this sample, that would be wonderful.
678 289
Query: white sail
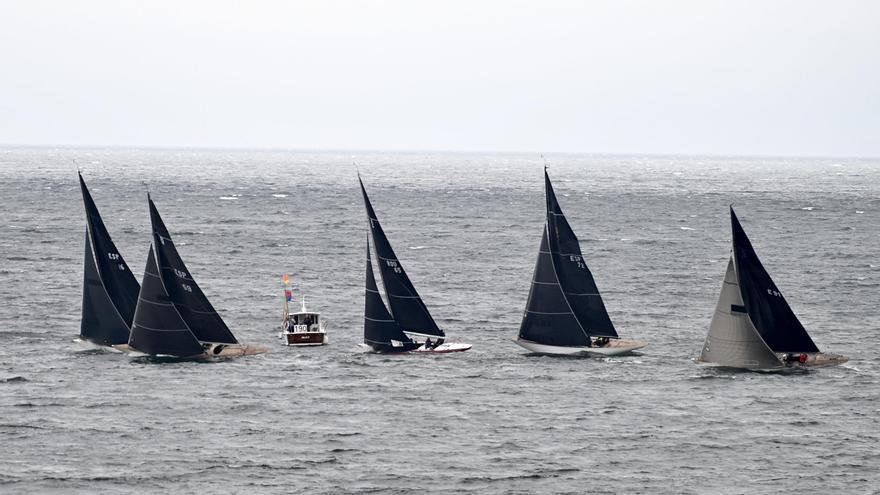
733 340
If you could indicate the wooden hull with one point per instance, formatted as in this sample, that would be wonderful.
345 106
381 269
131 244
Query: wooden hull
223 351
814 360
305 338
615 347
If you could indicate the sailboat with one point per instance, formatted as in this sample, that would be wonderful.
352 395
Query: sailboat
110 290
394 330
565 314
753 326
173 316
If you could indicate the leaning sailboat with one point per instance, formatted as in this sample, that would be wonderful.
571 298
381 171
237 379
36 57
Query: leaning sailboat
173 316
110 290
565 314
753 326
408 326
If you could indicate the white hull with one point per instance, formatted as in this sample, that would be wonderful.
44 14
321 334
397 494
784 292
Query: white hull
444 348
613 348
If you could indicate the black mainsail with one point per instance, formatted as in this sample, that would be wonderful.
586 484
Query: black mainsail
381 331
407 307
158 328
110 290
564 307
770 313
173 315
575 277
192 304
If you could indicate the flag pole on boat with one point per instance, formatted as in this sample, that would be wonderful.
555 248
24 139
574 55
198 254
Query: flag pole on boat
287 294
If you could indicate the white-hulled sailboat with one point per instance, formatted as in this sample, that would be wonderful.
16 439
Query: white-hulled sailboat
753 326
408 326
565 314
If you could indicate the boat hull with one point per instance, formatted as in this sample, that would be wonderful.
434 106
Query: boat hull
223 351
614 347
300 339
391 349
814 360
444 348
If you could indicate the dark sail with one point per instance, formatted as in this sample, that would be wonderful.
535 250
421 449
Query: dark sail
119 284
158 327
380 329
407 307
767 308
101 323
188 298
574 276
548 318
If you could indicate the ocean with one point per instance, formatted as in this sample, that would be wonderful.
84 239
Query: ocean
654 230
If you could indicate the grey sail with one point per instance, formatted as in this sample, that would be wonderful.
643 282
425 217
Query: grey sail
573 273
110 290
158 328
733 340
101 323
189 300
548 319
406 305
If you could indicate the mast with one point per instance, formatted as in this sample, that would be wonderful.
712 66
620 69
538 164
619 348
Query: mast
110 290
767 308
188 298
407 307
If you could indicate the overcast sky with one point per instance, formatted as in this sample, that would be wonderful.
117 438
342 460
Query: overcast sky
715 77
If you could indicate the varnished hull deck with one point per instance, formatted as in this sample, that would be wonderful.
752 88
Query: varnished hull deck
225 352
614 347
814 360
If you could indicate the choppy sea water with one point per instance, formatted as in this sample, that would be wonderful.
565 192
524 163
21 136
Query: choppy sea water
654 231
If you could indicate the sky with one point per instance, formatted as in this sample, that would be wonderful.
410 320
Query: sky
771 77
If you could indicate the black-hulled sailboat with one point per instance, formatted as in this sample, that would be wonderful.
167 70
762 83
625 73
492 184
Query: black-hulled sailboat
565 314
753 326
110 290
394 330
173 316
